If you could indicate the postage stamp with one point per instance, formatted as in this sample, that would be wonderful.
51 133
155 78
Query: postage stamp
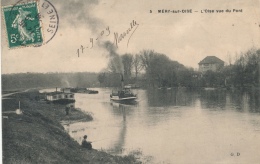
23 26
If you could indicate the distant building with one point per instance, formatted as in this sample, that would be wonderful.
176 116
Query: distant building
210 63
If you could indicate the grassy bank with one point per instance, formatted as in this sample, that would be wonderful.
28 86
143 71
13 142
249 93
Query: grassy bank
37 136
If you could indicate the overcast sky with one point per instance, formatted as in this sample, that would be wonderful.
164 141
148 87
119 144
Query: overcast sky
186 38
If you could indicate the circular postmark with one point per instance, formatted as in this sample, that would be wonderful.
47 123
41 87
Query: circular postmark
30 23
49 18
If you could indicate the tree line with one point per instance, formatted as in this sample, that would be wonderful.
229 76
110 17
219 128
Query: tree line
146 69
149 68
48 80
245 72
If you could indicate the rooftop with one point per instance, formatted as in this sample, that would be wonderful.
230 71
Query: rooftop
211 60
57 93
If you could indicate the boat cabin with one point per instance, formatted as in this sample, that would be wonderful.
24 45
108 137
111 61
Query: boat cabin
54 96
126 92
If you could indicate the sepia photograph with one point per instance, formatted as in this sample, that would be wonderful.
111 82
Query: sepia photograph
125 82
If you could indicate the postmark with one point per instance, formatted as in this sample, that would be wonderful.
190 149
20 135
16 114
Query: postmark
32 23
49 18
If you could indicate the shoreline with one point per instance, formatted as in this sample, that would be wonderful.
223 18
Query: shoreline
37 135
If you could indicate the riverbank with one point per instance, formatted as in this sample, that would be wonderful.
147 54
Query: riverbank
36 136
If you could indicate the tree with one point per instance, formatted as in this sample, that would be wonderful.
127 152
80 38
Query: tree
102 78
115 64
146 56
159 69
137 64
127 61
246 68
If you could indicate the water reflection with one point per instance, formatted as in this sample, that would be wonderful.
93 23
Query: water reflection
213 99
170 97
123 111
238 100
253 101
182 124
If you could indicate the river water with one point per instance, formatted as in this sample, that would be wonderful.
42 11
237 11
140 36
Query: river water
174 126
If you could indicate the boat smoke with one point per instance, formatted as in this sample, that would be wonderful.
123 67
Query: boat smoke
115 62
65 82
82 14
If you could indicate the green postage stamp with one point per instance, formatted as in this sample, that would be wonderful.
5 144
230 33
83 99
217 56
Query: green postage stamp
23 27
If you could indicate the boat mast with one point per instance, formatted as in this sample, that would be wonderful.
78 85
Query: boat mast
122 81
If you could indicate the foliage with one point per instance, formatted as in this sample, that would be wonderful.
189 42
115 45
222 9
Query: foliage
246 68
245 72
147 68
47 80
127 61
137 65
102 78
160 71
213 79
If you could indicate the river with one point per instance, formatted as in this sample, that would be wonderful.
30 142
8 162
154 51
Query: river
174 126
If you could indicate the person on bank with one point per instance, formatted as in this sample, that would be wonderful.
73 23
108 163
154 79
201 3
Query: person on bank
85 143
67 109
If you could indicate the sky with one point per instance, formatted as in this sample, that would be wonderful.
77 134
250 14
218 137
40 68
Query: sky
184 37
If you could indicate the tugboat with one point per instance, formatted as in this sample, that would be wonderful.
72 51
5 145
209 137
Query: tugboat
124 95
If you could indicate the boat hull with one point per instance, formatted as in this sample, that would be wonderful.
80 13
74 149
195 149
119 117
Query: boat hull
126 100
62 101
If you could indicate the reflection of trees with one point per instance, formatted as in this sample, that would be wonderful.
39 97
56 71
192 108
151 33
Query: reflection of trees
213 99
171 97
245 101
165 104
238 100
124 111
254 102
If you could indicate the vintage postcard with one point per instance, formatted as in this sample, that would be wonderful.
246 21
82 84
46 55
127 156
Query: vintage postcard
108 81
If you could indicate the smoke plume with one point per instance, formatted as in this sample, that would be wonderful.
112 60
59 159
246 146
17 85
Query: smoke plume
80 12
115 63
